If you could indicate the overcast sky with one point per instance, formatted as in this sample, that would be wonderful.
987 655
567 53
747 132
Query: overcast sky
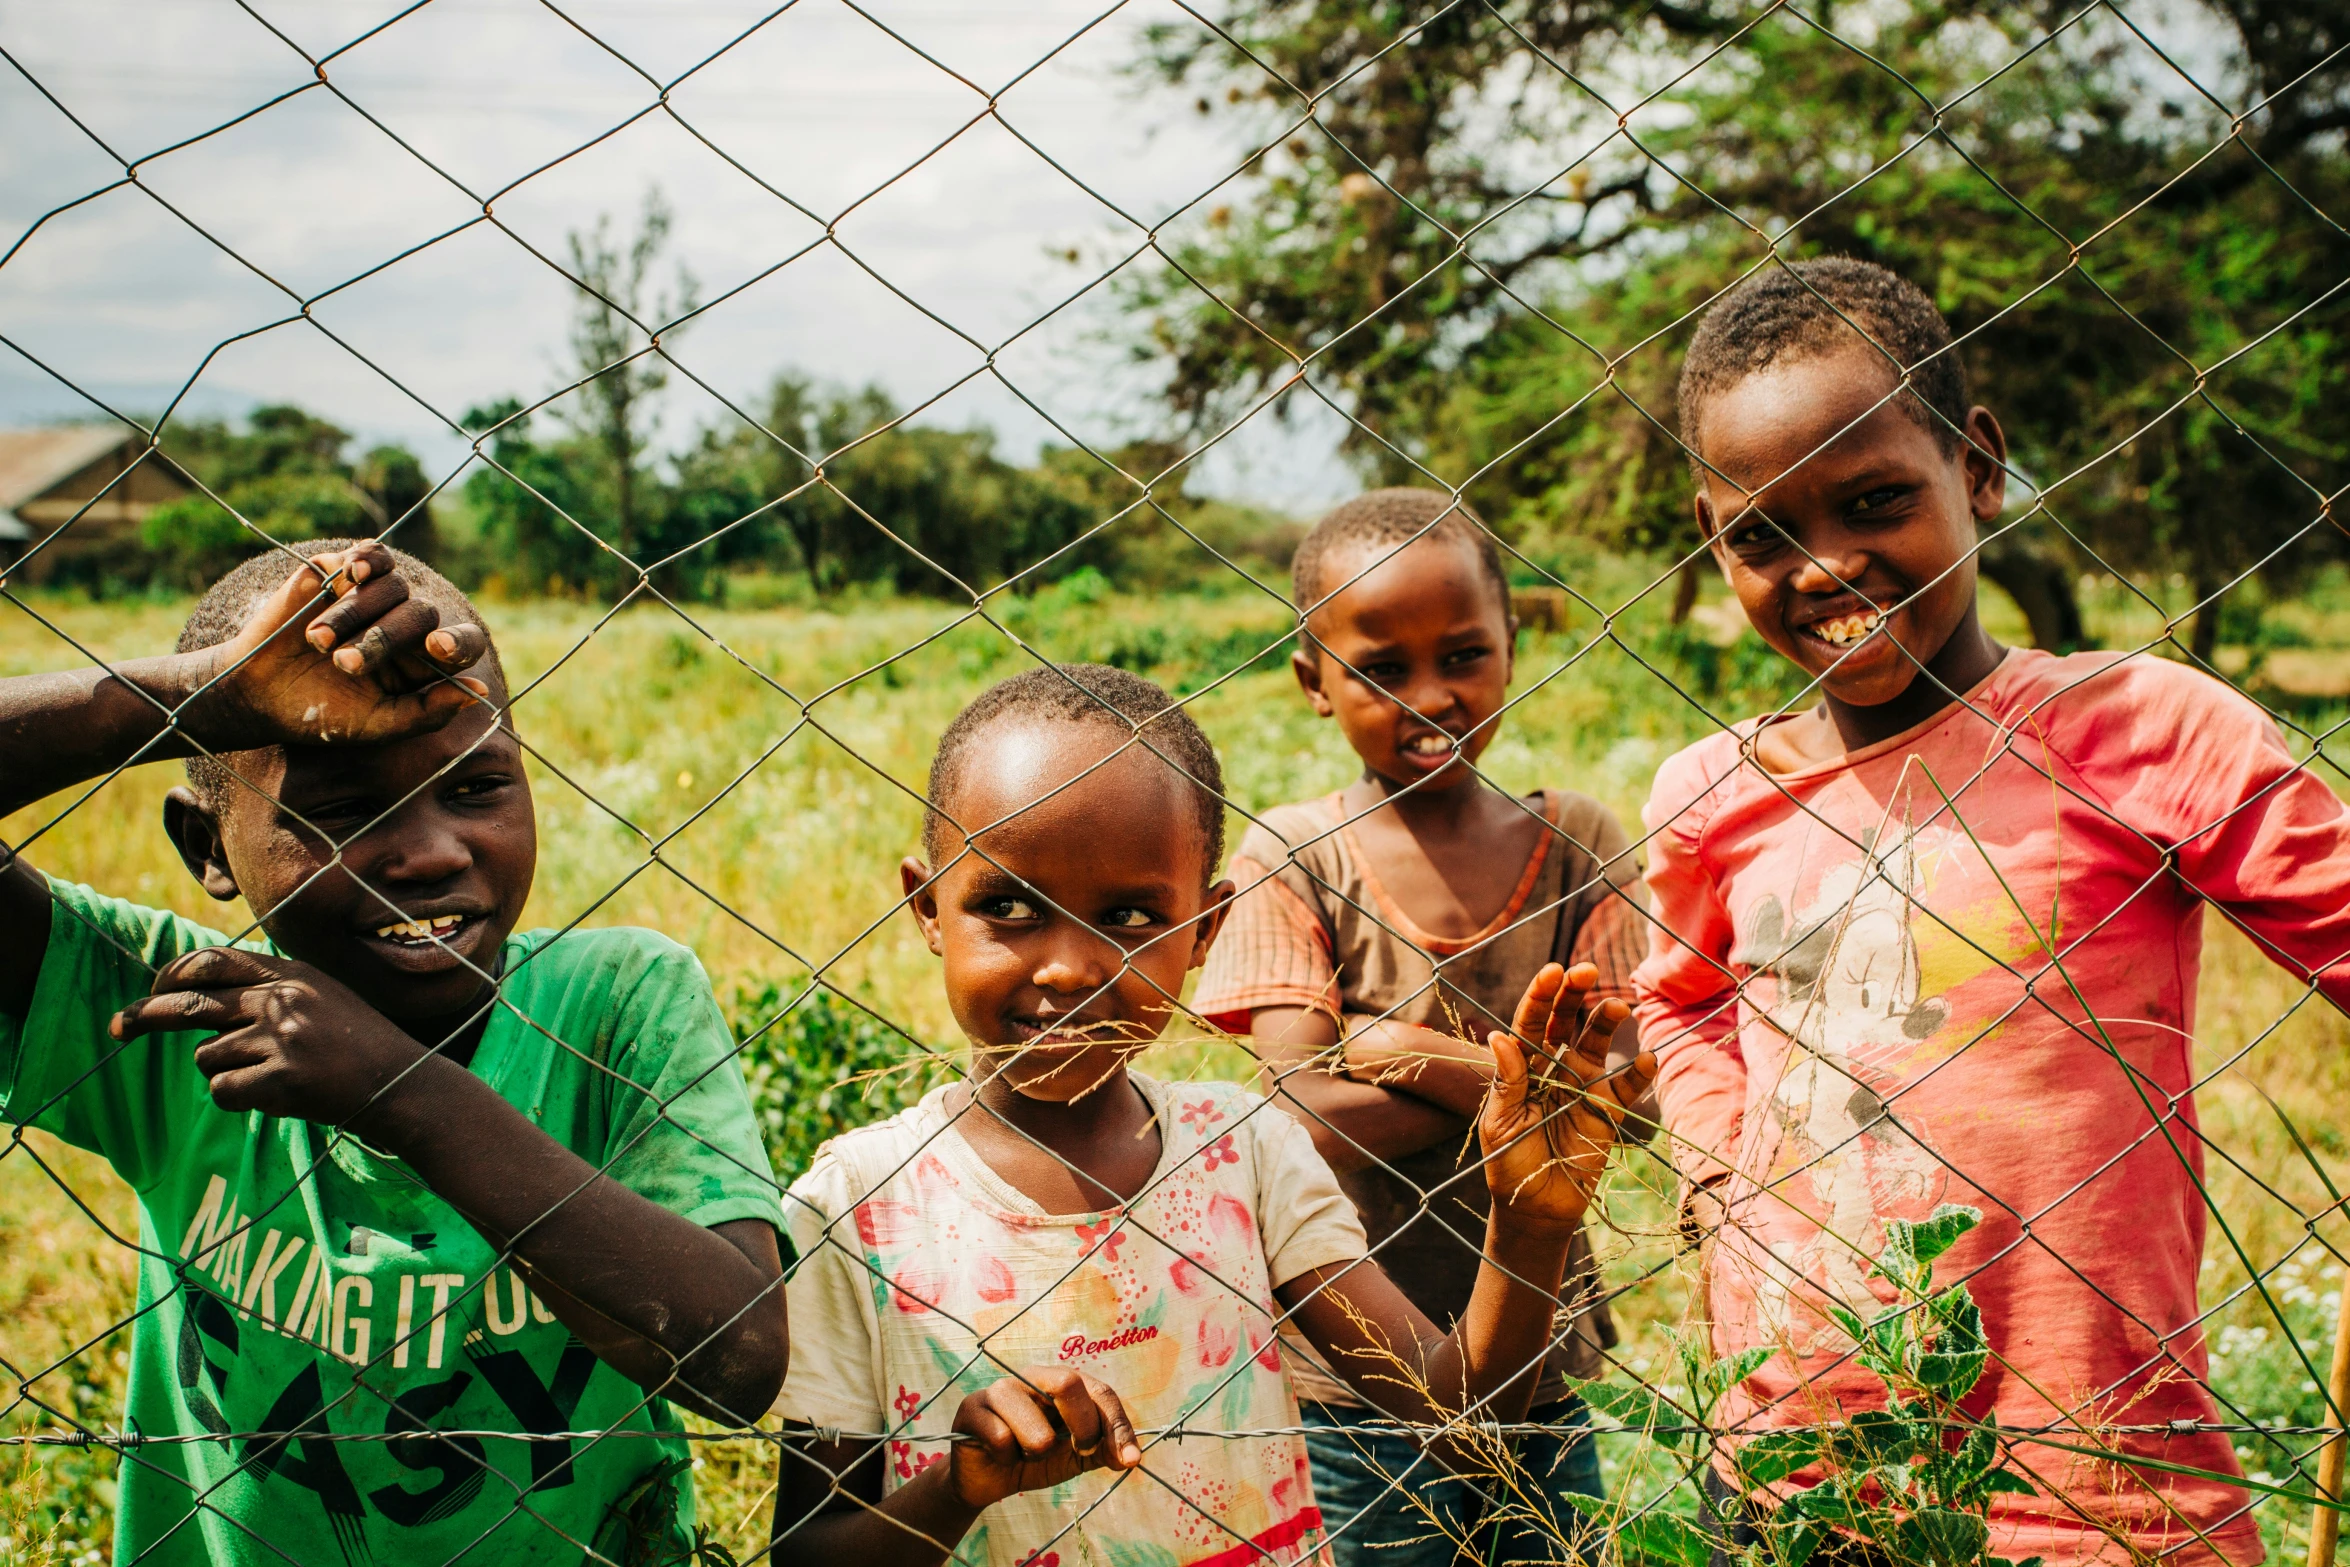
502 100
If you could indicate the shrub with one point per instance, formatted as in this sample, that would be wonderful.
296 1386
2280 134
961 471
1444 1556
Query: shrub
819 1065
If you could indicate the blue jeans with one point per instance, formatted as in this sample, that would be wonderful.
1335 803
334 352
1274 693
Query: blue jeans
1387 1504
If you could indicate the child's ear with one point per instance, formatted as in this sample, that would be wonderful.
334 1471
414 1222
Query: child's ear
194 827
1203 931
922 899
1985 457
1306 665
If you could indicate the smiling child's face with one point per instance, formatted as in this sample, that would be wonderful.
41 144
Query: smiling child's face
1845 528
455 855
1413 658
1068 929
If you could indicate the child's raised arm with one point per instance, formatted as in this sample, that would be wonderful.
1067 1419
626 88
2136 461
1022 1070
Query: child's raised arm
340 654
1547 1127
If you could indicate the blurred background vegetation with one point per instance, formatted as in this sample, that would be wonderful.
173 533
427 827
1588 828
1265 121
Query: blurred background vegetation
1467 252
1464 250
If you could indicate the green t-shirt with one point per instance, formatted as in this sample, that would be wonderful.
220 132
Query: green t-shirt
292 1280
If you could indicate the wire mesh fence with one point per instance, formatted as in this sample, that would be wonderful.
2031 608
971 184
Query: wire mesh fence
1984 1203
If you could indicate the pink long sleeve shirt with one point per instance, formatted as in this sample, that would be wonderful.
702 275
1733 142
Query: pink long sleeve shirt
1960 966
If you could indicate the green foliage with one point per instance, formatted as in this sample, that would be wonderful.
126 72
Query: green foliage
584 510
284 478
834 484
900 507
2261 1374
924 510
1914 1479
1183 653
534 505
819 1065
2180 371
917 509
614 346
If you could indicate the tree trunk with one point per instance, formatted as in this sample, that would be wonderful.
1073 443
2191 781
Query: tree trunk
1685 591
2204 644
2042 587
809 537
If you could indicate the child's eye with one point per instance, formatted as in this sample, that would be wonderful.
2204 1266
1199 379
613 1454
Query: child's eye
339 813
1128 919
1756 537
1878 499
1011 908
1462 658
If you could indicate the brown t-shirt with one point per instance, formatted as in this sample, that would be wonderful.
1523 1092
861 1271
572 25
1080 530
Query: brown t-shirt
1313 927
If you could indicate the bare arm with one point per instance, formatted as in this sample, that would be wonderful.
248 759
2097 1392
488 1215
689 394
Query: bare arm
1353 1124
1546 1135
1402 1088
694 1314
1025 1433
1402 1364
1454 1073
1426 1063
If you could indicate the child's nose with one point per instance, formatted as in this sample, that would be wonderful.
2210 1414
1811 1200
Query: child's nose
423 858
1080 961
1428 694
1828 569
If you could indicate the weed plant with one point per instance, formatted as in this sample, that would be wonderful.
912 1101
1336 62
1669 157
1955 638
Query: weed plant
1911 1483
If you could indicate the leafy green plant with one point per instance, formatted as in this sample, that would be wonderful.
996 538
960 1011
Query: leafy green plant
819 1065
1914 1480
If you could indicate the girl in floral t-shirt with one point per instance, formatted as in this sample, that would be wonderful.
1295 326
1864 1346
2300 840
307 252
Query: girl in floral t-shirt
1034 1319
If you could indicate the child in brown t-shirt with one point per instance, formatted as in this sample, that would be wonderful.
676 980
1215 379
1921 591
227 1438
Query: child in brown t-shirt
1403 916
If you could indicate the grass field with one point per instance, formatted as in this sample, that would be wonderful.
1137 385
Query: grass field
751 791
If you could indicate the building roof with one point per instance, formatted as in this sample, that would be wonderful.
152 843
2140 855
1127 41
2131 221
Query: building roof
33 460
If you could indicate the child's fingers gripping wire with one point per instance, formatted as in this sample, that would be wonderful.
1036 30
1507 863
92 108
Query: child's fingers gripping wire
1553 1072
1569 1039
1036 1429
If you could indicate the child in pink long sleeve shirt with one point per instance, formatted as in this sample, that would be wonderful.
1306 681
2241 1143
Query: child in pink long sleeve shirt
1937 939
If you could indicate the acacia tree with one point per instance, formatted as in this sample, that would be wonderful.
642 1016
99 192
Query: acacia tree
536 495
1492 275
618 310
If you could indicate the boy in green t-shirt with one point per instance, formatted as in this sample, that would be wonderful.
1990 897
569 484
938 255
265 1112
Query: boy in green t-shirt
400 1170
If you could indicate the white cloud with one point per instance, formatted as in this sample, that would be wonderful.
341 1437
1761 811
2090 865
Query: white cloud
946 235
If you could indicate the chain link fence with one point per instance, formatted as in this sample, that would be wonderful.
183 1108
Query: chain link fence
746 778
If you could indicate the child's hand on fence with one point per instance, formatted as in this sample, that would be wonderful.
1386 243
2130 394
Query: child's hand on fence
1554 1111
1046 1425
372 665
291 1041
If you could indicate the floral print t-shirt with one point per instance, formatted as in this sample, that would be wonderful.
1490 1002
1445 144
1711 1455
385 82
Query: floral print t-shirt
925 1276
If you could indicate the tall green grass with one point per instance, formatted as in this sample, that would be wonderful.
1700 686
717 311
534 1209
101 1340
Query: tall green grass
749 779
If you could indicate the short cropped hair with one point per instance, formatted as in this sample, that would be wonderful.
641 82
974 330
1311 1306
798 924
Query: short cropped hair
220 614
1383 517
1806 308
1094 694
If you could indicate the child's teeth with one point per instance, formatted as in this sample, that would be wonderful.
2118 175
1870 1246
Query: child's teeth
1849 628
420 930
